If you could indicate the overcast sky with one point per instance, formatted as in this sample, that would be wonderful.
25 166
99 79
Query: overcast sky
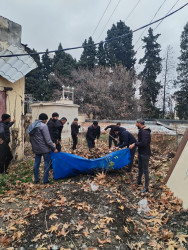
46 23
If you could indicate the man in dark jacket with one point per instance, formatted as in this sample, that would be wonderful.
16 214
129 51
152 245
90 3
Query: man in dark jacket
93 134
53 130
41 146
60 124
112 135
144 152
125 140
74 132
5 152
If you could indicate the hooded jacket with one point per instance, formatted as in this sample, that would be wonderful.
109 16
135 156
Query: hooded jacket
144 140
4 128
40 138
126 139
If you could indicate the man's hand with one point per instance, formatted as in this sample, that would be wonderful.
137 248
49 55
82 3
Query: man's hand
14 120
95 141
132 146
116 139
55 151
116 147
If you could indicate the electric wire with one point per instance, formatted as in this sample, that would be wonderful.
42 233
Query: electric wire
101 18
160 21
150 21
130 13
167 14
108 20
106 41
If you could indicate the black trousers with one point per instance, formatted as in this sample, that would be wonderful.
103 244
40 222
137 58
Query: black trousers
58 147
91 143
143 168
110 141
130 165
75 141
5 157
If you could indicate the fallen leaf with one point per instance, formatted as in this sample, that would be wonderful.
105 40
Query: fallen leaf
182 238
126 230
118 238
53 217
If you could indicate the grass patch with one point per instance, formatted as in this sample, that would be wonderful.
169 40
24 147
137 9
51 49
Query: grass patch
21 171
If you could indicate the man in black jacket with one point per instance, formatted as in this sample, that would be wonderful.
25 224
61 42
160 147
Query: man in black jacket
125 140
144 152
53 130
112 135
74 132
93 134
60 124
5 152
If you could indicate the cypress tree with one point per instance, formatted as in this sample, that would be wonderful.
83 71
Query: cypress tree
182 80
88 56
101 55
152 68
120 51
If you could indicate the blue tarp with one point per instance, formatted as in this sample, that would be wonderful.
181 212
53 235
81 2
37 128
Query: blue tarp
67 165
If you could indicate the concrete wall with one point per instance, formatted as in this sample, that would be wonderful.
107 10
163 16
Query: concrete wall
70 111
10 33
15 107
178 181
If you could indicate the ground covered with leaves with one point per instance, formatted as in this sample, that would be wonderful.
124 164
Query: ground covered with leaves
93 212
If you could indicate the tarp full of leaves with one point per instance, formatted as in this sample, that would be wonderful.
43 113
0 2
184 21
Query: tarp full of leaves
67 165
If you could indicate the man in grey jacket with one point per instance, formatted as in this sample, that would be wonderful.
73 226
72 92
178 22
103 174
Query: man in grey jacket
41 146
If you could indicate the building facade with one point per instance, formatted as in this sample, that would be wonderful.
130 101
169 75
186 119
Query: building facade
12 81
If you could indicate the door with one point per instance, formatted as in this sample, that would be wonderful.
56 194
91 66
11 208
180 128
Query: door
2 103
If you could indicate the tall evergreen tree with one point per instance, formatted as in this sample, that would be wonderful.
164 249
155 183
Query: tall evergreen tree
101 55
88 57
152 68
34 82
120 51
46 65
182 80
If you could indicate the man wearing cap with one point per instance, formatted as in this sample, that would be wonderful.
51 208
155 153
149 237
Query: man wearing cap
53 130
125 140
93 134
5 152
41 146
112 135
74 132
144 152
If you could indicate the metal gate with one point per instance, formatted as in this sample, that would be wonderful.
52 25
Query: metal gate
2 103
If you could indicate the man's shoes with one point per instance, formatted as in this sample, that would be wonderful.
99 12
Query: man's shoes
144 190
36 182
47 182
127 170
138 183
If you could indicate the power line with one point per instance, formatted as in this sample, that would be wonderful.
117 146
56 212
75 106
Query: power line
160 21
167 14
150 21
130 13
101 17
109 19
106 41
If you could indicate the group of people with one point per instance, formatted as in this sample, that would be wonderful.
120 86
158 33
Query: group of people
45 136
126 139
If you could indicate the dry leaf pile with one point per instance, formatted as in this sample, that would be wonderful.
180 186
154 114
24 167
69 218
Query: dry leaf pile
68 215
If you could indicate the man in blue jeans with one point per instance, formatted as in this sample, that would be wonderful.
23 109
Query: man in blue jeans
41 146
144 152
